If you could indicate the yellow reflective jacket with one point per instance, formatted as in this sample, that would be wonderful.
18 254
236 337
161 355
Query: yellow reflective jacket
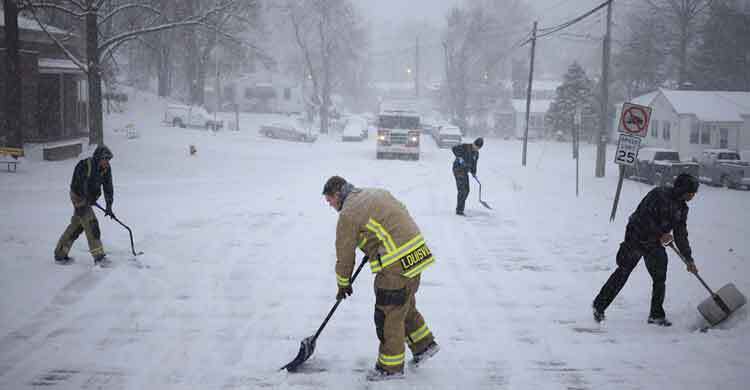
376 222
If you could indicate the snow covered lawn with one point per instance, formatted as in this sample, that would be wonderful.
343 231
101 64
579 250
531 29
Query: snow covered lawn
238 269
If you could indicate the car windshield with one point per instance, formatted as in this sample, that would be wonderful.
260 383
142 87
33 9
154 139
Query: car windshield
667 156
729 156
398 122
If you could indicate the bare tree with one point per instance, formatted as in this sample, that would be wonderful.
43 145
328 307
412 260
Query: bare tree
328 35
684 17
478 41
96 15
640 63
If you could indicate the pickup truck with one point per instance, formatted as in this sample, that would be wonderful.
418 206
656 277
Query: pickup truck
191 116
724 168
660 166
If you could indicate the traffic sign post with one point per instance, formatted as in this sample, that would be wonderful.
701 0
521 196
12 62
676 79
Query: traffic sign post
633 125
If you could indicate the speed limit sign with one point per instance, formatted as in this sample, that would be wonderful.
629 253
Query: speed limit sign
627 149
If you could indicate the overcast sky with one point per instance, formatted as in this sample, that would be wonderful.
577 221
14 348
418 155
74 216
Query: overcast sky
383 11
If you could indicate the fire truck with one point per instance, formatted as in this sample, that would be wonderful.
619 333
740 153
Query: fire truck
399 130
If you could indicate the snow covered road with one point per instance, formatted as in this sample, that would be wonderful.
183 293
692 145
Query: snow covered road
238 269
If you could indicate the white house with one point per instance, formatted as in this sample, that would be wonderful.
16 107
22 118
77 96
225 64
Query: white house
538 110
265 92
691 121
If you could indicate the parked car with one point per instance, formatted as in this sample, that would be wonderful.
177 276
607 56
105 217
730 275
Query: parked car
723 167
355 130
287 131
448 136
659 166
191 116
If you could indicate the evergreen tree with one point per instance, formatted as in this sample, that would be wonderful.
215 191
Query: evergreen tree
723 58
575 91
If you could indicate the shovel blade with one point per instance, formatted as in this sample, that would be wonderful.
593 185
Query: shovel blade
725 302
306 349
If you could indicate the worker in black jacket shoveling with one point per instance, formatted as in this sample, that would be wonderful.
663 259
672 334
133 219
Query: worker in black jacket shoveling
89 177
467 156
663 210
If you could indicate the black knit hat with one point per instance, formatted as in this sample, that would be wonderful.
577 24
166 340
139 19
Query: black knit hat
685 184
333 185
479 142
102 152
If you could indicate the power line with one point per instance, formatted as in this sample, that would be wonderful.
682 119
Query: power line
543 32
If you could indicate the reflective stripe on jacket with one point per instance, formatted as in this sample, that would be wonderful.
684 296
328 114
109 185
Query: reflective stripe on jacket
376 222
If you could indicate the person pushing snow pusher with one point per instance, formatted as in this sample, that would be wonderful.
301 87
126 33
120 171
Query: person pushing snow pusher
376 222
662 211
89 177
467 156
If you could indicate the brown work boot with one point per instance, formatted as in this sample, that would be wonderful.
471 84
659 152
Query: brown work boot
430 351
378 374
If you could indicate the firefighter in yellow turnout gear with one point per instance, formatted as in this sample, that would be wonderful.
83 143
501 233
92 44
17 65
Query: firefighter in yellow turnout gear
377 223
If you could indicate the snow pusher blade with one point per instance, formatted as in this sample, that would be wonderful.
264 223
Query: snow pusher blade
307 346
480 194
722 303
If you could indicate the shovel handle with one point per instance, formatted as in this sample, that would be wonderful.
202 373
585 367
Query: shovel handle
674 248
130 232
338 301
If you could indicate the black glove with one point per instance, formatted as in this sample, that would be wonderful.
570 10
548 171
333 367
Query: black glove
344 292
108 211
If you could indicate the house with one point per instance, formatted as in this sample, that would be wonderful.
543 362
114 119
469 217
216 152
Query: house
509 117
54 111
538 110
264 92
691 121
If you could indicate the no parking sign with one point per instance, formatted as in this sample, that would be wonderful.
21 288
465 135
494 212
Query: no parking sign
634 119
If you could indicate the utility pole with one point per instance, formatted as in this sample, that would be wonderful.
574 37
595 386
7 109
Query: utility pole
416 69
601 147
528 95
447 86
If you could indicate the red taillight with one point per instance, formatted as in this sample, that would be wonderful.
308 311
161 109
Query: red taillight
413 138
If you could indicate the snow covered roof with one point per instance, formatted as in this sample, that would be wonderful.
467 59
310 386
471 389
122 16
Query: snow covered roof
31 24
58 65
536 85
710 106
537 105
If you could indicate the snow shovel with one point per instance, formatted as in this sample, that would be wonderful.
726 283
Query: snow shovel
722 303
132 247
480 193
307 346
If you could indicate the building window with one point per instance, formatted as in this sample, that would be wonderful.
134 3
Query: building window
694 133
706 134
287 93
723 138
666 131
655 128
